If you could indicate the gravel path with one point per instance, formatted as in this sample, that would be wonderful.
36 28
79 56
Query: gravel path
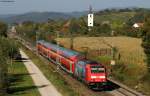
44 86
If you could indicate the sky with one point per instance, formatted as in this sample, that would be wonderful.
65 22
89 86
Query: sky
23 6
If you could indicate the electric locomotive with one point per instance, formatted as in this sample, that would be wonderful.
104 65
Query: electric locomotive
90 72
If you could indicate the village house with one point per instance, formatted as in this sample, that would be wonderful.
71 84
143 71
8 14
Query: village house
138 25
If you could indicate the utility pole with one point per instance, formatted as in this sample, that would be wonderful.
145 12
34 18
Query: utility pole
72 30
71 40
36 36
57 59
11 60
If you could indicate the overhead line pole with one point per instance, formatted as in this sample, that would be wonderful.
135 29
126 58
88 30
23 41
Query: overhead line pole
36 42
57 59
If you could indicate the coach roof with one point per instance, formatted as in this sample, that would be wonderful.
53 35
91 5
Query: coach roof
66 52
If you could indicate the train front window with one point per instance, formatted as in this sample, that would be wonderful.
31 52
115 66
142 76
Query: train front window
97 69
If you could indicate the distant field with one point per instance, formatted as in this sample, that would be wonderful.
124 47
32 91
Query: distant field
129 48
123 16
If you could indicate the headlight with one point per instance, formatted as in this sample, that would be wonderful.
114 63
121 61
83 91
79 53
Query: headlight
93 77
102 77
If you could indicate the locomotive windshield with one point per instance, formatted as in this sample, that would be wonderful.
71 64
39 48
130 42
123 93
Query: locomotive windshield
97 69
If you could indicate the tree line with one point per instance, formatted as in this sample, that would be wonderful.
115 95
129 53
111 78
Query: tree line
146 38
78 26
8 50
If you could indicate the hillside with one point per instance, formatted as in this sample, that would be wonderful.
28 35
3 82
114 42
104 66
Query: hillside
7 15
39 16
35 16
114 19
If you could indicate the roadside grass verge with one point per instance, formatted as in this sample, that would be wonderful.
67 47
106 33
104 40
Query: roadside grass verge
21 83
54 77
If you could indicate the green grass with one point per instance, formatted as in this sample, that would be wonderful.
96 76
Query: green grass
21 83
54 77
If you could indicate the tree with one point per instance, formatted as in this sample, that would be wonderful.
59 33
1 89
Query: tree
3 29
74 28
47 30
3 73
146 38
27 30
83 26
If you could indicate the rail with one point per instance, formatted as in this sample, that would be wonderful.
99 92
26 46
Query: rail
126 91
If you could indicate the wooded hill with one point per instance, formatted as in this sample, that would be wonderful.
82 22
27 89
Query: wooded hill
39 16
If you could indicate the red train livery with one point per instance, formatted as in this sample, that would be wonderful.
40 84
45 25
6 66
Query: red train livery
91 72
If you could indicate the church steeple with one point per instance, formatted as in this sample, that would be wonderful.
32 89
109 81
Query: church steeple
90 18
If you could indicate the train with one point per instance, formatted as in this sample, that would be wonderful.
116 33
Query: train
90 72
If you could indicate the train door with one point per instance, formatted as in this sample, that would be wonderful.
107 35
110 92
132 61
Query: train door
49 55
58 59
71 67
42 50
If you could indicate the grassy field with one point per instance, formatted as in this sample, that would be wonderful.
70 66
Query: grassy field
21 83
131 64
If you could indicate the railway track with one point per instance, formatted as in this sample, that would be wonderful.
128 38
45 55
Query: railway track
123 90
118 90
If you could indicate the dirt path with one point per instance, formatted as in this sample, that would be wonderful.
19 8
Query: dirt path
44 86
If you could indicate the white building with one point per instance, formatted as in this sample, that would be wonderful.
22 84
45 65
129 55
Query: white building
138 25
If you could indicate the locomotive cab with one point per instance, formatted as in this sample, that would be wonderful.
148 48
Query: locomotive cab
91 72
96 75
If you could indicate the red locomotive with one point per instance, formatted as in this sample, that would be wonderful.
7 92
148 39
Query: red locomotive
91 72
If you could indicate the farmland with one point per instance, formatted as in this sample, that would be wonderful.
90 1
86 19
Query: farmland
129 48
